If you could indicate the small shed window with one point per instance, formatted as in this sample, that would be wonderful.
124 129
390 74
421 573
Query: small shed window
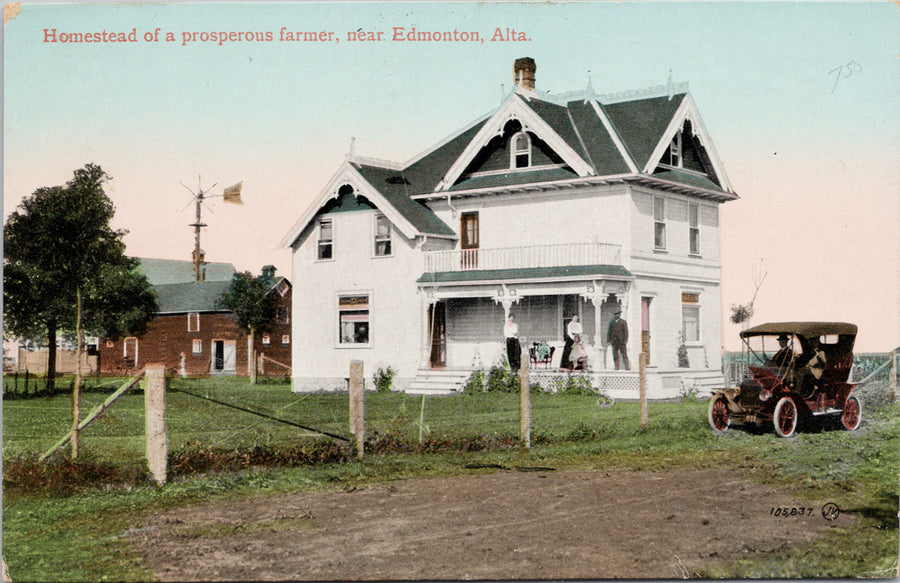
193 322
198 346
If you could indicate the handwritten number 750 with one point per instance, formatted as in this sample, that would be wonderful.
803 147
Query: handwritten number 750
844 71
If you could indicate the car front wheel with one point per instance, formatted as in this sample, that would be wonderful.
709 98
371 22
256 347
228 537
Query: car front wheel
719 416
852 414
785 417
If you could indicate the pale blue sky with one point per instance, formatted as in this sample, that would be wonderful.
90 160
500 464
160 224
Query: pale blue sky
813 160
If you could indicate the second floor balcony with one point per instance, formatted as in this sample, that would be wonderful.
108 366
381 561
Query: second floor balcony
531 256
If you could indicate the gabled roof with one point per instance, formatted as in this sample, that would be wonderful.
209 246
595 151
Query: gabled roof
586 139
182 298
166 271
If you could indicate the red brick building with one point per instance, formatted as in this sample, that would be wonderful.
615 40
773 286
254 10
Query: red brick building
192 335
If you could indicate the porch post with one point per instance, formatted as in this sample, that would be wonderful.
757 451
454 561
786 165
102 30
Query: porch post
597 296
425 354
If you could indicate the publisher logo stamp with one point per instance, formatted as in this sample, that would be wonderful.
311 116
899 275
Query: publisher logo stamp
830 511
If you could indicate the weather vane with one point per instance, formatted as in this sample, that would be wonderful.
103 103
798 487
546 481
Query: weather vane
231 195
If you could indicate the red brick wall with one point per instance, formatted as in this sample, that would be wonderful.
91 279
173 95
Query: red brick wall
168 337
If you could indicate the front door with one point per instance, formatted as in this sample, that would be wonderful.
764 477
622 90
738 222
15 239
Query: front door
437 326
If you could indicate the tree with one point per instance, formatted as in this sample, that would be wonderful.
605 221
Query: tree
254 309
65 269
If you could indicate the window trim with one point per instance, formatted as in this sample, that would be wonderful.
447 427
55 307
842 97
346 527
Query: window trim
197 346
286 339
266 340
690 300
389 238
125 349
320 242
368 295
515 151
196 316
659 222
694 228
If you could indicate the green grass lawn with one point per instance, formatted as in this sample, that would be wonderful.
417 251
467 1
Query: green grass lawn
80 537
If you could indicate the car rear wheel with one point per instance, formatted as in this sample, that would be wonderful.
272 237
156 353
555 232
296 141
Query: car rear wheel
719 416
785 417
852 414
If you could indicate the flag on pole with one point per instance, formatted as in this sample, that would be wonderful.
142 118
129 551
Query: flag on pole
232 194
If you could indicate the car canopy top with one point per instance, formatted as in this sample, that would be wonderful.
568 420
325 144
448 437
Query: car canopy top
805 329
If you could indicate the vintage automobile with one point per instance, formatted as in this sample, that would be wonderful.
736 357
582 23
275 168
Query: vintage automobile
796 370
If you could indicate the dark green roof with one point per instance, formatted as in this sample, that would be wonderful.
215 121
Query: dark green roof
178 298
557 117
642 122
396 189
166 271
687 178
602 152
514 178
494 275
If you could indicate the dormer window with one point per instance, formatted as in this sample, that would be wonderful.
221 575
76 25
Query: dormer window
673 156
326 240
520 151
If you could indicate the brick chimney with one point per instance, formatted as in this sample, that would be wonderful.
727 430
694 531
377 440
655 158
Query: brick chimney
523 72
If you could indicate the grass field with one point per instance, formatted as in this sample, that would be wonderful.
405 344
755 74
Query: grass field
80 537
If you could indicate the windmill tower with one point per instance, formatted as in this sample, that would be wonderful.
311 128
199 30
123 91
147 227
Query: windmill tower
231 195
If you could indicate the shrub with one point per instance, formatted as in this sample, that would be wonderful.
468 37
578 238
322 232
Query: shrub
475 383
501 379
384 379
194 458
64 477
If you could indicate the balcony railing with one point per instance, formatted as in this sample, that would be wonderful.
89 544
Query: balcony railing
524 257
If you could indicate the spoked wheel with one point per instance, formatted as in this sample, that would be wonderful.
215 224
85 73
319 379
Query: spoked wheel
785 417
852 414
719 416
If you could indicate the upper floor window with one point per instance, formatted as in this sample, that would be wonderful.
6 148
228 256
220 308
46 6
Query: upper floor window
521 151
659 222
193 322
694 226
266 340
382 236
326 239
673 156
284 316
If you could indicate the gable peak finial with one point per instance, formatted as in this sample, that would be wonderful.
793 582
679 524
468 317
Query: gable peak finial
589 90
351 153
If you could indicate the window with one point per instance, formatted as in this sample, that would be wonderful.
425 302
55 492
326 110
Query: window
690 317
130 352
659 222
694 224
286 339
110 343
520 151
266 340
284 316
673 155
193 322
468 241
326 239
382 236
198 346
353 319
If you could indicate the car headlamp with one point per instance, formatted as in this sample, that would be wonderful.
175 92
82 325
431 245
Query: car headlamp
764 395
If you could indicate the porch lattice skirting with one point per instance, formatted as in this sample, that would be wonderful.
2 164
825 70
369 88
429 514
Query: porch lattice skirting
612 384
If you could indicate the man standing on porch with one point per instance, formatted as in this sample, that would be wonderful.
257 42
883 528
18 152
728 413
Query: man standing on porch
513 350
572 330
617 335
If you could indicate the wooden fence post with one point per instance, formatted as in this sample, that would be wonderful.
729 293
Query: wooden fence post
642 389
157 441
525 398
358 406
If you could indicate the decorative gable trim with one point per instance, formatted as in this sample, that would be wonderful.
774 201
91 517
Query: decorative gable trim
515 108
688 111
348 175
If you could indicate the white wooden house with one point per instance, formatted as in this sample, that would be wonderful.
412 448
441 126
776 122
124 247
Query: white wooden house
549 206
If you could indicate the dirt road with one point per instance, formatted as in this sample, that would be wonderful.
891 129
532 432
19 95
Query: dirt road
506 524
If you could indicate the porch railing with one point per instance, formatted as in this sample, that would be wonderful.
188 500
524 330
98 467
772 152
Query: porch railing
524 257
